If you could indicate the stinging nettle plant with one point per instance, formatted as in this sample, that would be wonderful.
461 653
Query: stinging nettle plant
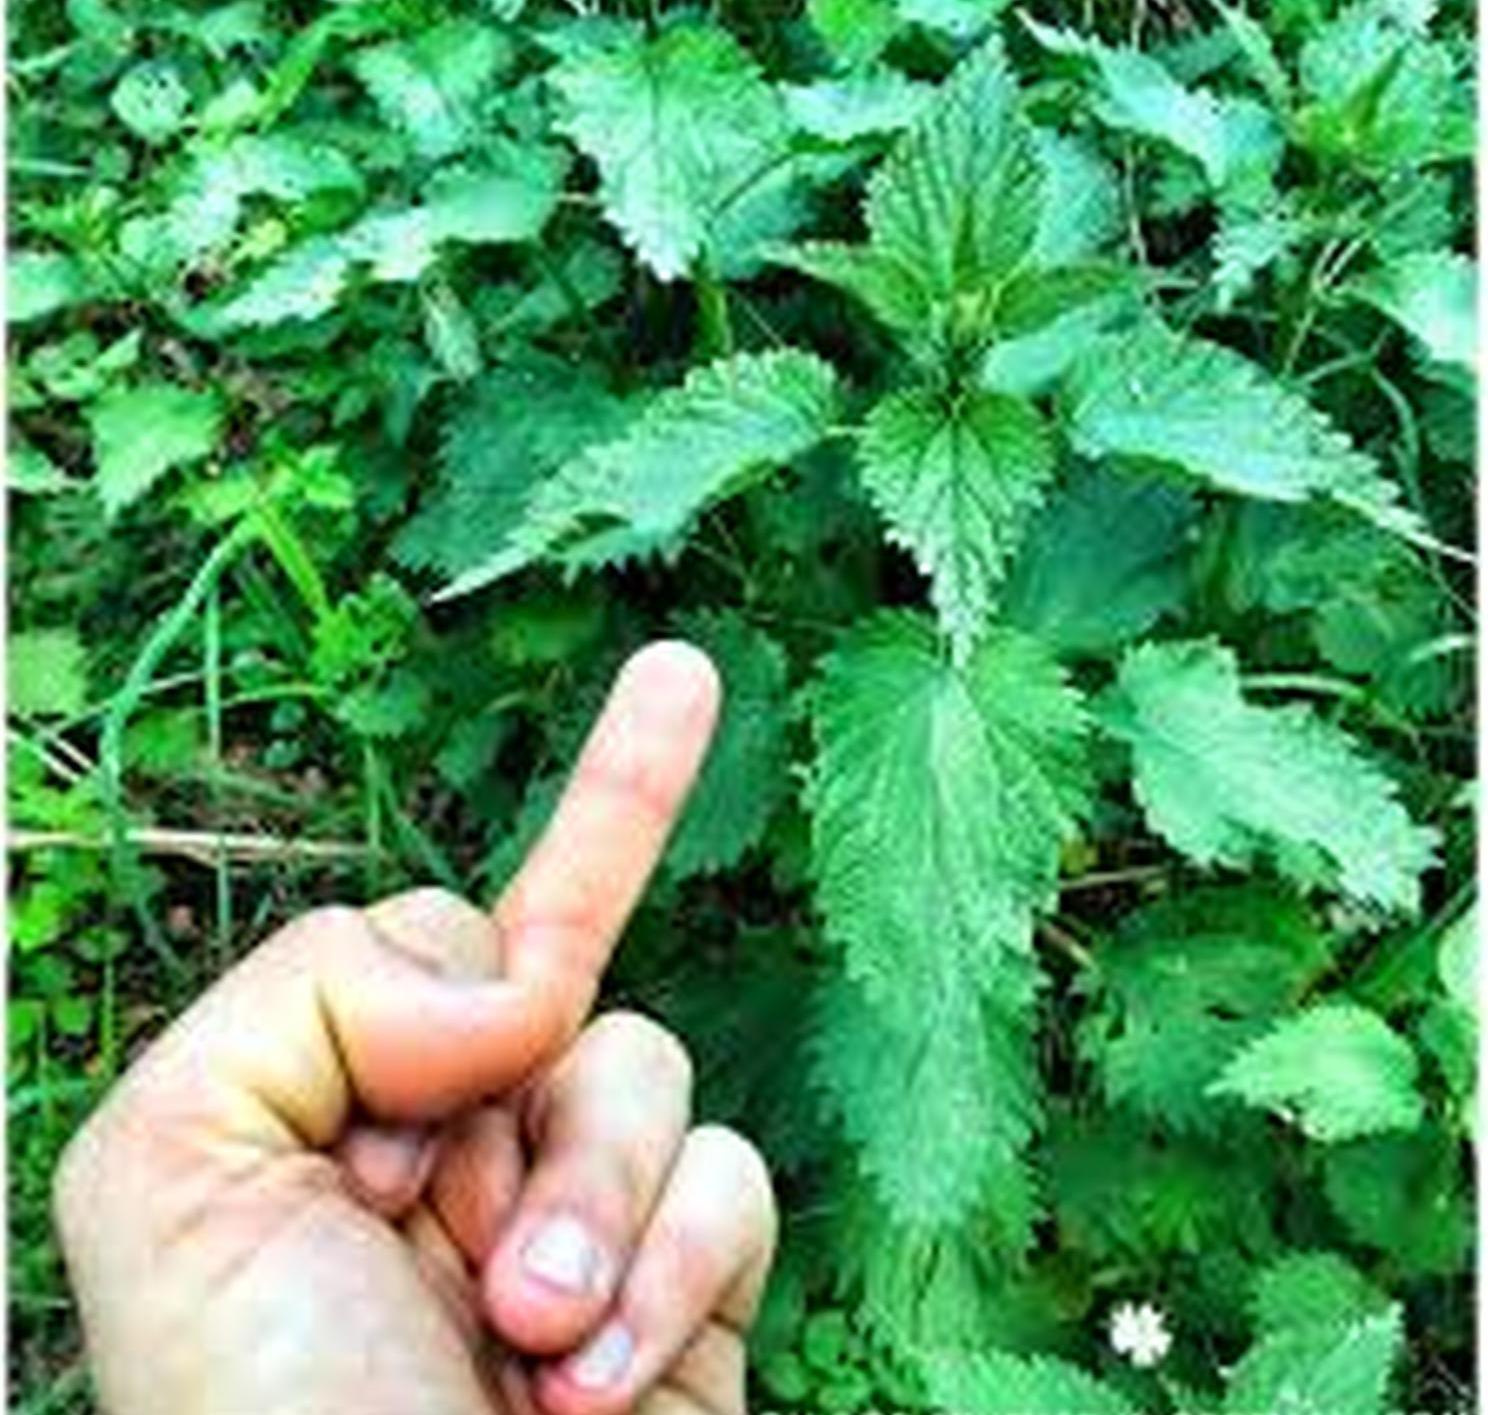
1060 444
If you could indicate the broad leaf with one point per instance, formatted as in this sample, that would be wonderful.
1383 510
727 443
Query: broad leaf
1304 1289
952 212
1210 412
1337 1070
1433 296
39 283
207 198
507 196
1319 1370
747 769
937 1093
142 432
860 105
1224 781
1403 1194
515 427
1234 142
1246 243
855 32
1081 209
1102 562
680 125
151 101
46 673
939 797
1003 1384
692 445
1191 980
1380 94
430 88
957 479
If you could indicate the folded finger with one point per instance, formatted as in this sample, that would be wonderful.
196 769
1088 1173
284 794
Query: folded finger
700 1267
605 1126
475 1184
386 1166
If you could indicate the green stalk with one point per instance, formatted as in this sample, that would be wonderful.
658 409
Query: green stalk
159 643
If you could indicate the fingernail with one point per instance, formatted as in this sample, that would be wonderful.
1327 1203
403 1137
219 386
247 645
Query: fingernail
679 679
603 1361
562 1254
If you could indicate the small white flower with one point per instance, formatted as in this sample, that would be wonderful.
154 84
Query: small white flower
1140 1334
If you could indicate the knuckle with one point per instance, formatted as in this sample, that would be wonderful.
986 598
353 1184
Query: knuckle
430 906
327 925
727 1152
319 937
651 1046
75 1178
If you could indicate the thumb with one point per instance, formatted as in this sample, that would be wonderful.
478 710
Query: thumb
397 1009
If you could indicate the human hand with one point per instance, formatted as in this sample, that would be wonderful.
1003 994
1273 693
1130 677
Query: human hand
383 1166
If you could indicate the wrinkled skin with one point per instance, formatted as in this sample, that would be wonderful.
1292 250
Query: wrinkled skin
388 1164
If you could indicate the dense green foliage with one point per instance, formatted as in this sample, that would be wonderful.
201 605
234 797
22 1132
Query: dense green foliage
1057 423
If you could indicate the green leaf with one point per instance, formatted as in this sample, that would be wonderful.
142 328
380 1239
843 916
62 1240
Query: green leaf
46 673
1001 1384
952 212
588 274
1119 1193
692 445
1223 780
29 471
431 87
208 200
939 797
1371 604
39 283
957 199
1081 209
959 19
1191 980
516 426
394 707
1306 1289
1246 243
1319 1370
957 480
1457 960
142 432
304 283
1336 1070
679 126
1255 46
450 332
1218 417
1135 93
151 101
506 197
1433 295
1402 1194
1102 563
937 1093
746 773
856 106
855 32
1380 95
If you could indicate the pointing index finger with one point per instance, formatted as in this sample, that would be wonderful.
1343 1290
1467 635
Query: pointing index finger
562 913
